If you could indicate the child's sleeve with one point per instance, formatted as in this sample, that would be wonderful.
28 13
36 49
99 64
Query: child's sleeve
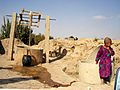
99 53
112 51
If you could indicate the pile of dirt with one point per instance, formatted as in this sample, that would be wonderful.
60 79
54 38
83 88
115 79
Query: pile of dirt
81 49
5 44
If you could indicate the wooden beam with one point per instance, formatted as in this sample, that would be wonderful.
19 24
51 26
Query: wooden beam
30 24
27 11
47 34
28 17
12 32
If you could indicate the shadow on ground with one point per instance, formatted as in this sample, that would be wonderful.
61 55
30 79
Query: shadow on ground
6 68
13 80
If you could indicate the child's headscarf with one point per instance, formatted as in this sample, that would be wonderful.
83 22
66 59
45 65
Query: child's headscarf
107 39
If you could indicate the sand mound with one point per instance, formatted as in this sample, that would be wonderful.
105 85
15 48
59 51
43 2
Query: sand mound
5 44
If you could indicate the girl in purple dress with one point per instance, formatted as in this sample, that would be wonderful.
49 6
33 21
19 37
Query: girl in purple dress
104 57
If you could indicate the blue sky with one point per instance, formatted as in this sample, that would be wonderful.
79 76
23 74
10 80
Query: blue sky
79 18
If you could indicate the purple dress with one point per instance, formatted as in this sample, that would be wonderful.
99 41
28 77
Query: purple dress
105 66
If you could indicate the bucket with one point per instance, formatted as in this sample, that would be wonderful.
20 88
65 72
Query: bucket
35 53
26 60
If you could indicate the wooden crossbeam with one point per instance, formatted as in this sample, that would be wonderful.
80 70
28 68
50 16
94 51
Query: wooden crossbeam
32 18
27 11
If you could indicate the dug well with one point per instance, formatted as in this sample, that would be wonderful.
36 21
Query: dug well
35 53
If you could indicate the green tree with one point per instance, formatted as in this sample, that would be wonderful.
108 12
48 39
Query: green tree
39 38
51 37
5 29
75 38
22 33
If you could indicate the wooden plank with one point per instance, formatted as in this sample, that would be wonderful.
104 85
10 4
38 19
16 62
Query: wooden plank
47 34
30 24
12 32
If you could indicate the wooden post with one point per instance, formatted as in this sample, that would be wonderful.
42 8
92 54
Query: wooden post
30 24
11 41
47 34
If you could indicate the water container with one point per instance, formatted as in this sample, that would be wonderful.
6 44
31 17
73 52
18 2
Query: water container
26 60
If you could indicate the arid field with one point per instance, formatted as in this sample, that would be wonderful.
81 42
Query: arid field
63 71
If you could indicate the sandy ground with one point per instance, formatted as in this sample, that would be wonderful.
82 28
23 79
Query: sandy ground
45 76
61 73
